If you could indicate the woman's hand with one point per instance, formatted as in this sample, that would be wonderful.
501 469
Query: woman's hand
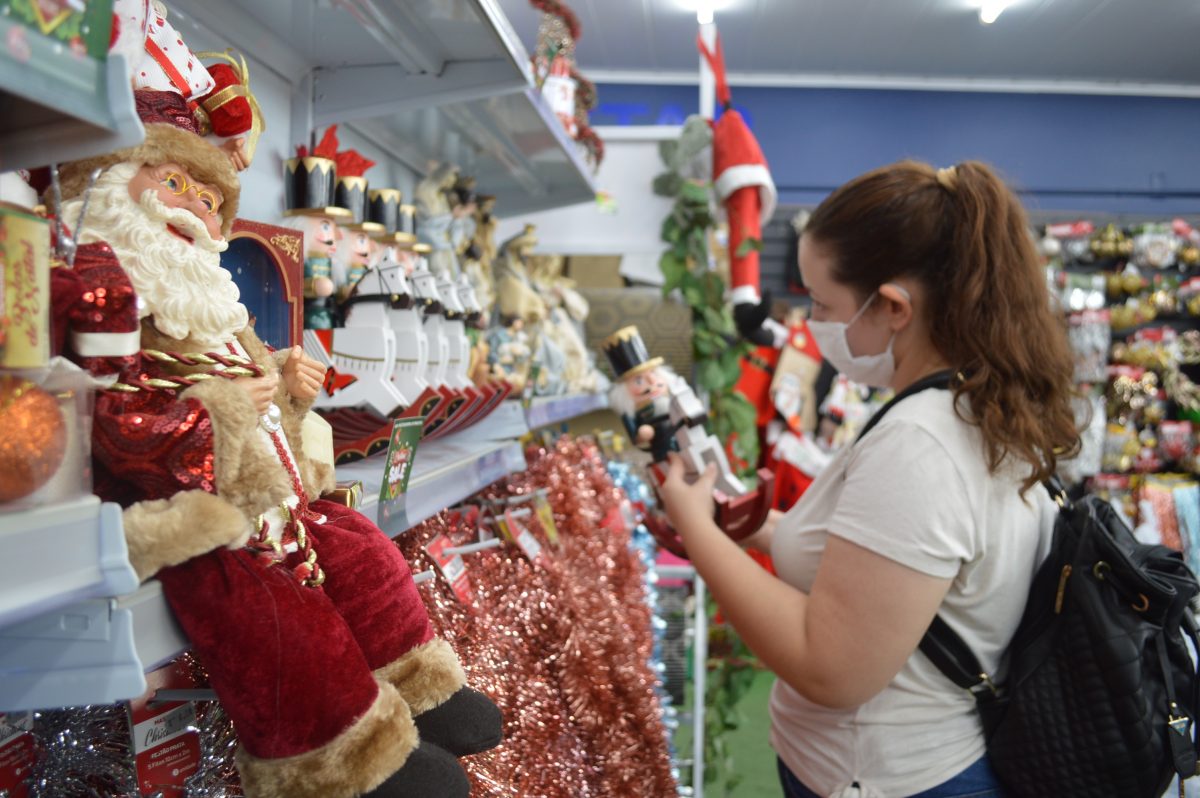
761 540
302 375
261 390
686 504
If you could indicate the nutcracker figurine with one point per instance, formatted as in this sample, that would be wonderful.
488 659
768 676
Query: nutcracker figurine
662 414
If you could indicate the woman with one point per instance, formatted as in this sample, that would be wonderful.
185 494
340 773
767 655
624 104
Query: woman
937 510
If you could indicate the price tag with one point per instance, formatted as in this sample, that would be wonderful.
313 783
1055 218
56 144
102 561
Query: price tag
545 516
17 753
452 568
535 371
166 744
525 540
397 468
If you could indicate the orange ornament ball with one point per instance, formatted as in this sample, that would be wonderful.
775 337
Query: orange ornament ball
34 441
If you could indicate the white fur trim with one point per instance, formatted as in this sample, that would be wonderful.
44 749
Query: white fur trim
92 344
781 333
749 174
745 295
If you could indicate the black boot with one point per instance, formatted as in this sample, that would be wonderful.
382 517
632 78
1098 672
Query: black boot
465 723
429 772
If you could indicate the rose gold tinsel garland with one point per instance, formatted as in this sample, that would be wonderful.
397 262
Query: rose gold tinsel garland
563 648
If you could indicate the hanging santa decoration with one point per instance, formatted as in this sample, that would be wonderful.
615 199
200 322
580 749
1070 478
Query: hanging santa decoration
743 184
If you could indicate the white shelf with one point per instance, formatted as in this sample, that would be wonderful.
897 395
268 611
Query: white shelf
55 106
60 554
445 472
543 412
422 80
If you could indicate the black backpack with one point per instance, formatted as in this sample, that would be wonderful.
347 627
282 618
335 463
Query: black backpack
1101 692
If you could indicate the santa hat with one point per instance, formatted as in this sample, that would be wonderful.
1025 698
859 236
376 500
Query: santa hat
230 108
166 142
161 61
742 181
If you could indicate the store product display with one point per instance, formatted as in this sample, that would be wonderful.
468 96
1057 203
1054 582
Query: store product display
564 641
564 644
218 367
1128 297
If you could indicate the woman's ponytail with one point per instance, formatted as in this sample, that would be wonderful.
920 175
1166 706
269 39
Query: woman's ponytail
963 234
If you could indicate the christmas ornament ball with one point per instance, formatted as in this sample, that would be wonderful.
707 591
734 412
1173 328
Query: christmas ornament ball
34 440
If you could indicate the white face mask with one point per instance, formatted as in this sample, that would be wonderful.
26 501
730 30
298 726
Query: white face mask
873 370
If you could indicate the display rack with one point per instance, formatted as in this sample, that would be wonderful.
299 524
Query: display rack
543 412
89 559
96 651
418 80
688 573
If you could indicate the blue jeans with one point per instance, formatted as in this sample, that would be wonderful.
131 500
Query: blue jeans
977 781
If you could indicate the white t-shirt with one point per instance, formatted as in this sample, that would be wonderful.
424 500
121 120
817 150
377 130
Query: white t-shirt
917 490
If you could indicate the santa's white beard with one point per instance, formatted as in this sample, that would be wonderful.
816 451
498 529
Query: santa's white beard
181 284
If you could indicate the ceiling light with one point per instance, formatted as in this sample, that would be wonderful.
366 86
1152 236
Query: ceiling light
704 12
991 10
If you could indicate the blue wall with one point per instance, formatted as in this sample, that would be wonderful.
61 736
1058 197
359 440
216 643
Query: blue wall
1062 152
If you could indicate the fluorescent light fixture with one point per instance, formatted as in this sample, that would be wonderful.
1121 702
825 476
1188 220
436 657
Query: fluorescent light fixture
704 12
991 10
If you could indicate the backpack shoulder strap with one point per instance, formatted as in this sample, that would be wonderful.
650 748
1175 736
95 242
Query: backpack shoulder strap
941 644
952 656
940 380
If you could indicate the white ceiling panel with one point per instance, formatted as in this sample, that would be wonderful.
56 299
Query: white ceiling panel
1093 41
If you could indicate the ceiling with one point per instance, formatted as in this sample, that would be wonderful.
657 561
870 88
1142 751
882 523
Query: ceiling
1102 42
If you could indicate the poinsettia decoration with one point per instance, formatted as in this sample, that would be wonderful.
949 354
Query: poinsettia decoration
327 148
351 164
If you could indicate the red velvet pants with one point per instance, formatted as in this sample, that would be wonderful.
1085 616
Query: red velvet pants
292 665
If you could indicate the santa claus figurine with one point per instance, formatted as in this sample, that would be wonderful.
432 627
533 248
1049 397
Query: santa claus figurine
303 613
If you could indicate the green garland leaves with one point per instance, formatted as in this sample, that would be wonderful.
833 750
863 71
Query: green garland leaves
718 355
718 351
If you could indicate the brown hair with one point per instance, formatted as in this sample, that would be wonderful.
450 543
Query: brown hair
962 233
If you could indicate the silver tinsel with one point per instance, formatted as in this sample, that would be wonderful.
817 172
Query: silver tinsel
217 776
87 752
84 752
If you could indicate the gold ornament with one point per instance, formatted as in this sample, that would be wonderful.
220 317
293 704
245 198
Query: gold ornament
1132 282
34 441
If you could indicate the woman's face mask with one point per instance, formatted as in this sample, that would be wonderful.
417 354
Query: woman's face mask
873 370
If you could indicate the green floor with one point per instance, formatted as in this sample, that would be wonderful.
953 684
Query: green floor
749 747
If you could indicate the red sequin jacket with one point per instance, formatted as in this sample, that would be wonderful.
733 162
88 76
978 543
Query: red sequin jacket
187 464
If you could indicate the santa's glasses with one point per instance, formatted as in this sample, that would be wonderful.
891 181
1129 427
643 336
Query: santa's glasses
177 185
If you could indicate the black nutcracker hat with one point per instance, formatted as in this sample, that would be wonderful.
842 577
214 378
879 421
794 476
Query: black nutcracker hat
383 208
627 353
309 184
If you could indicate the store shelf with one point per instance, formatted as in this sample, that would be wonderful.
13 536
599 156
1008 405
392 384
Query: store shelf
82 654
424 80
446 471
96 651
56 105
543 412
67 552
